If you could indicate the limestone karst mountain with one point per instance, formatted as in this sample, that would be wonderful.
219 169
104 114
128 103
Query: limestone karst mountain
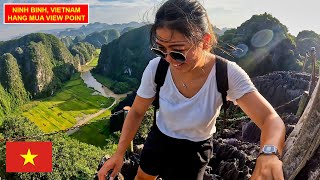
43 60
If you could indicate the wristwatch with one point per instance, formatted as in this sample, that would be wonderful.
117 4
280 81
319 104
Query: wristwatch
269 150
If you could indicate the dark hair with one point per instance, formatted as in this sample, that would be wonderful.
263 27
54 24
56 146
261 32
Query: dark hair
185 16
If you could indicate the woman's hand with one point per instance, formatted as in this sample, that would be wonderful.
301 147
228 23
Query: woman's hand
114 163
268 167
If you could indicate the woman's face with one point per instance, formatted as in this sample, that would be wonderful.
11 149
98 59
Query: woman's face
171 40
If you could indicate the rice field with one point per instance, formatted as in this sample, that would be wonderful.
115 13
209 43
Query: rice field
96 132
62 110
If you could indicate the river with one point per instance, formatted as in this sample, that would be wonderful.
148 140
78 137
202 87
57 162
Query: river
104 91
90 81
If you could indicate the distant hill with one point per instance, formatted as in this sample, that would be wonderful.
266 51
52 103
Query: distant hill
83 51
219 31
125 58
100 38
92 27
42 61
127 29
307 39
260 45
96 38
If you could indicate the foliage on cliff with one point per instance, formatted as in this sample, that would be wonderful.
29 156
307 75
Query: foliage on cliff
305 40
260 45
5 103
124 59
100 38
83 51
12 88
43 60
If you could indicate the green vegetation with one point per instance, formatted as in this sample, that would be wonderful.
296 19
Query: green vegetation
100 38
43 60
269 46
107 82
71 158
5 103
12 91
144 128
127 84
305 40
97 133
127 29
68 41
124 59
95 27
83 51
61 111
93 63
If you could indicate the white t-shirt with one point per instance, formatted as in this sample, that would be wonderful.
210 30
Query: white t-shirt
192 118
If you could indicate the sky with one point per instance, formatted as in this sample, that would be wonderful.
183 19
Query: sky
297 15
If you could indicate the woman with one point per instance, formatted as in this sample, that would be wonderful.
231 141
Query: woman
179 146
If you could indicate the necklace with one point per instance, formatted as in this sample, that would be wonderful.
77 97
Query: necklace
185 85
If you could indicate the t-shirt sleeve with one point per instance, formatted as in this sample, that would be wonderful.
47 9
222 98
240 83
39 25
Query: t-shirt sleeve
147 88
239 82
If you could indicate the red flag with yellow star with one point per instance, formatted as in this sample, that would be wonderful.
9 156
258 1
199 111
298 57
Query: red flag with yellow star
28 156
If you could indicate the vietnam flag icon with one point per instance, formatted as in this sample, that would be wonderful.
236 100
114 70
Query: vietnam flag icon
28 156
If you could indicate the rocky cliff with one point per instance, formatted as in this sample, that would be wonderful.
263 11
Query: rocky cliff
83 51
126 56
281 87
43 60
12 91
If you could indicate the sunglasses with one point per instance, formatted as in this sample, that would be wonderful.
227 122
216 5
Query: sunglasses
178 56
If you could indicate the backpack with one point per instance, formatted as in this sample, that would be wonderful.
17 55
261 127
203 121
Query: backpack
221 78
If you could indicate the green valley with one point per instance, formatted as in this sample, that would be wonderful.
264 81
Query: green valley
62 111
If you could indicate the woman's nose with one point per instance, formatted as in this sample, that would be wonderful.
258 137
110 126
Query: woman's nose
169 58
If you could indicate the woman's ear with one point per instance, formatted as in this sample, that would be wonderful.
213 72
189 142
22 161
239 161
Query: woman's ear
207 41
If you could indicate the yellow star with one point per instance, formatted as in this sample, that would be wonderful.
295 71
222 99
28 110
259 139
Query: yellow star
28 158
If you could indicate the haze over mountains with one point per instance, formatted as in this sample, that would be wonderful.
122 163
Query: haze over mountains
92 27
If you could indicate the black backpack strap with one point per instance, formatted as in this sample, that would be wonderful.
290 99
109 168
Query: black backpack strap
222 82
159 80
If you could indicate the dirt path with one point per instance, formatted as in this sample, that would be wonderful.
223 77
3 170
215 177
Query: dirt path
85 119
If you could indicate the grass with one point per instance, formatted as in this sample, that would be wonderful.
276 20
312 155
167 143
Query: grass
59 112
93 62
96 132
107 82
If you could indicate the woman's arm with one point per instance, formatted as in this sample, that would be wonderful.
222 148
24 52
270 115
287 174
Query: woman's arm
129 129
132 123
272 132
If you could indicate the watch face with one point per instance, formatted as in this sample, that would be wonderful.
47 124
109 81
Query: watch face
269 149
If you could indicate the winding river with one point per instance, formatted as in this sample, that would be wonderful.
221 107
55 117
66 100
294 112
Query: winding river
90 81
104 91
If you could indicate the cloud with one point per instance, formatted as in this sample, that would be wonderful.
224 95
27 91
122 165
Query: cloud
223 13
220 10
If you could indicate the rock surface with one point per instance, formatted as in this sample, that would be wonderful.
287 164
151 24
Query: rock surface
281 87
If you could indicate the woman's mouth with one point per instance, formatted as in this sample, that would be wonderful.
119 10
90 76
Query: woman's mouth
177 65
